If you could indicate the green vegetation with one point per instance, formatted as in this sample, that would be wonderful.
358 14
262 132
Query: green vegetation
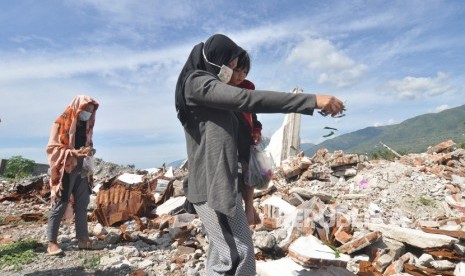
426 201
462 145
337 254
91 261
18 253
19 167
385 154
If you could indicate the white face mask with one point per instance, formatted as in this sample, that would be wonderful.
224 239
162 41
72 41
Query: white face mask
84 115
225 73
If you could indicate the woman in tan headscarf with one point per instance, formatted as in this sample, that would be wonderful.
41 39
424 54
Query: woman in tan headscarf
70 178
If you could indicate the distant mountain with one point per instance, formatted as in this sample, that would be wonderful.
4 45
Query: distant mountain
413 135
306 146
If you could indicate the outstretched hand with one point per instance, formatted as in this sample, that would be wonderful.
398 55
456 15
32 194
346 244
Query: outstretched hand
329 105
84 152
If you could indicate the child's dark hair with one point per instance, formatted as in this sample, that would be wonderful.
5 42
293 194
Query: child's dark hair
243 62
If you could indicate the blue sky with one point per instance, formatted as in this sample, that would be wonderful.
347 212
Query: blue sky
388 60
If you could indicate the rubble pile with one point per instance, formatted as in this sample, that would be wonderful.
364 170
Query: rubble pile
103 171
329 214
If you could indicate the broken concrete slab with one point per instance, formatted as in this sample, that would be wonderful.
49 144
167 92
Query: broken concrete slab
275 211
130 178
307 194
342 236
354 196
343 160
459 269
182 220
359 243
425 260
310 251
171 206
290 170
398 266
443 265
264 241
413 237
445 146
277 207
381 249
287 267
382 262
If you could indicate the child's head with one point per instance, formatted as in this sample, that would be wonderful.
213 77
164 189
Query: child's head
242 69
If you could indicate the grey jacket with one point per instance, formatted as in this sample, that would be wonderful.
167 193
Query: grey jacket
212 129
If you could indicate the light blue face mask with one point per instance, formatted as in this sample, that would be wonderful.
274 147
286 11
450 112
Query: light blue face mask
84 115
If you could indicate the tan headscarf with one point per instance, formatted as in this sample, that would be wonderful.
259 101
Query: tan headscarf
62 139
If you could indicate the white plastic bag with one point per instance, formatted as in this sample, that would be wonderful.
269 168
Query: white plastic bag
260 168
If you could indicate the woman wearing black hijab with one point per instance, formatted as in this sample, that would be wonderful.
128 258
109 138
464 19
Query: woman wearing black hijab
205 105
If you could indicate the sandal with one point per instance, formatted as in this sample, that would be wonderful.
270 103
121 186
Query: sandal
91 245
59 251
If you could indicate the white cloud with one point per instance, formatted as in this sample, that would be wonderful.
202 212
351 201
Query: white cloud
334 66
441 108
83 61
390 121
416 87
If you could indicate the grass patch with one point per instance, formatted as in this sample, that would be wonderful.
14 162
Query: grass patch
18 253
426 201
385 154
91 261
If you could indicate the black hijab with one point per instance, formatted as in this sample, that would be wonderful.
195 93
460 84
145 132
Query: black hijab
218 49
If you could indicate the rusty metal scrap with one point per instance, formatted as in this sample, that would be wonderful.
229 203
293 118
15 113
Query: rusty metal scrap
117 202
445 253
36 188
424 271
456 234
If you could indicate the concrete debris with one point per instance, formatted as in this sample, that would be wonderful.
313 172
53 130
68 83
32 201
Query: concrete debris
459 269
130 178
357 244
328 214
413 237
171 206
287 267
310 251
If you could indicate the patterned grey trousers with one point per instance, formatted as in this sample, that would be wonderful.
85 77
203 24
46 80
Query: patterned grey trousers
231 250
80 189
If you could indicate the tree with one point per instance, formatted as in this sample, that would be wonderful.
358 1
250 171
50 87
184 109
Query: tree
19 167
